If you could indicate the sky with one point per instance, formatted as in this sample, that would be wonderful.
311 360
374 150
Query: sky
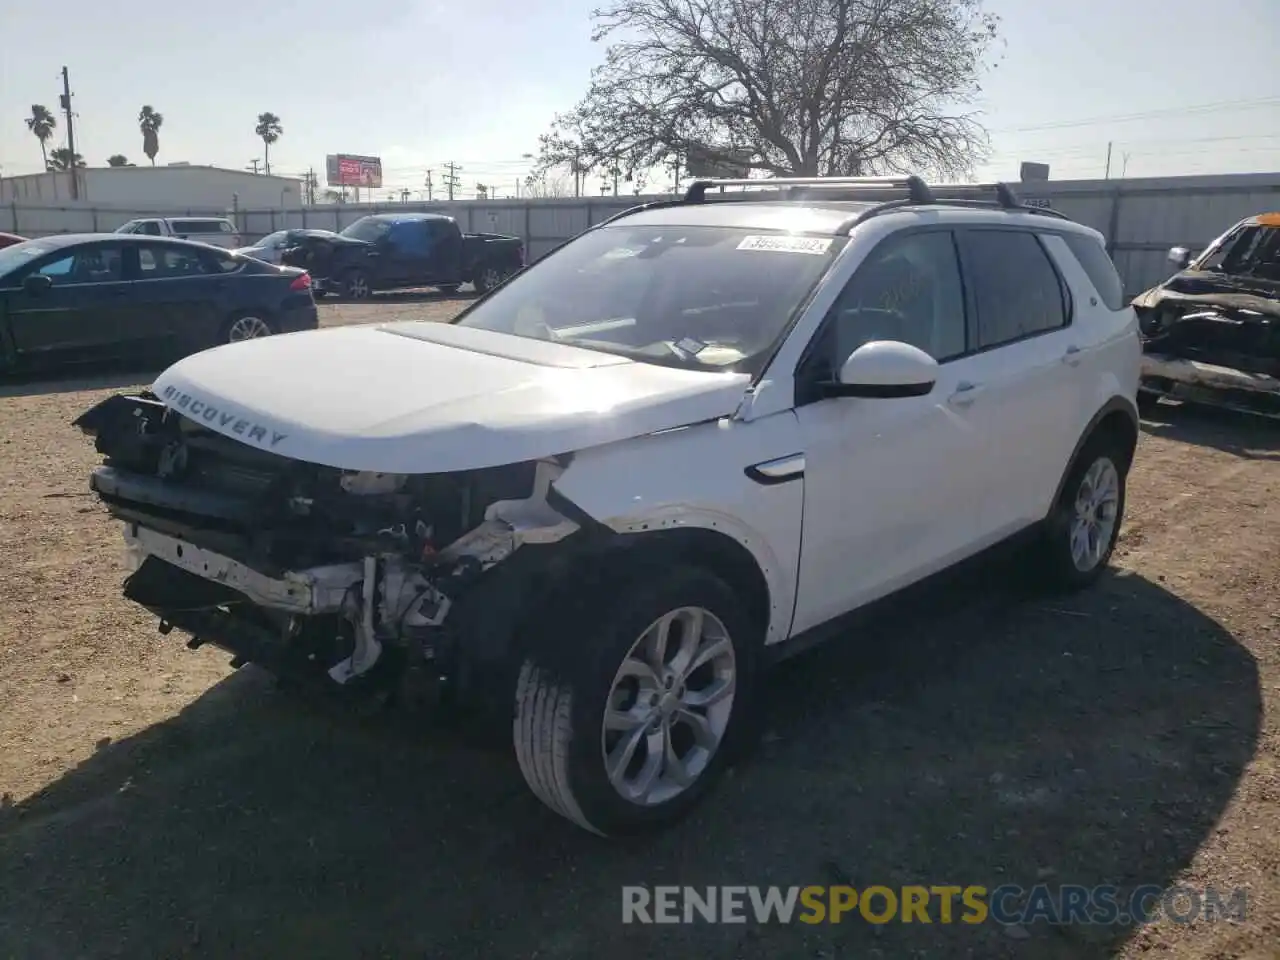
1178 87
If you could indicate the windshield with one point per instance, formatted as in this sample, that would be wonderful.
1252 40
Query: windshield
699 297
11 258
1251 250
367 229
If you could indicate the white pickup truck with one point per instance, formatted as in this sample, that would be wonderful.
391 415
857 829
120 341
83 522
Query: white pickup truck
215 231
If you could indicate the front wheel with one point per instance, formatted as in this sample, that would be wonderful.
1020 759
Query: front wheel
629 707
355 285
1082 530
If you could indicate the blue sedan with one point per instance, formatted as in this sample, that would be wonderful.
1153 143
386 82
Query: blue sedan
111 296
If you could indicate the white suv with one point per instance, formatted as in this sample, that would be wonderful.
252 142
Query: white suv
611 492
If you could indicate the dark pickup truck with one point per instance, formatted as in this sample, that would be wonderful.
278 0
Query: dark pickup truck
390 251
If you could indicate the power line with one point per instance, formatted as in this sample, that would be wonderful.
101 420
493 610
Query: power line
1149 115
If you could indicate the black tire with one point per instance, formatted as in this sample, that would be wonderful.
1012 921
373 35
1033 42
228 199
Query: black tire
566 682
448 289
1147 402
487 278
1057 565
237 323
356 286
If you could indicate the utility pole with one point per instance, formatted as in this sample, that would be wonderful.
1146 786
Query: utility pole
254 163
452 180
427 183
312 183
1107 174
71 133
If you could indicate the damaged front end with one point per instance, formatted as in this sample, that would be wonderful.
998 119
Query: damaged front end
1222 350
354 580
1211 332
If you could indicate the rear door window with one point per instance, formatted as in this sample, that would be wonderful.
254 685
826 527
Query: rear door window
1016 289
163 262
411 238
188 227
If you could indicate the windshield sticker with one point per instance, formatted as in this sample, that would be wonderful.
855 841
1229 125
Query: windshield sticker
691 346
787 244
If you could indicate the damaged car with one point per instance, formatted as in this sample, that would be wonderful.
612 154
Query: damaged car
1211 333
601 502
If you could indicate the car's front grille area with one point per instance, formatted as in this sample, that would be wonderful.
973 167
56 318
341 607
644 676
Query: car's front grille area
220 464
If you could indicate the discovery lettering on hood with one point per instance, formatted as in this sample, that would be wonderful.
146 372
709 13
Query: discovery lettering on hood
198 409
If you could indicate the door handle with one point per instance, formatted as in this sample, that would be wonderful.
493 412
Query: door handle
964 394
1072 356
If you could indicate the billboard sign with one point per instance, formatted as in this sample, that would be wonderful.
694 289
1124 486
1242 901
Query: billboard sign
1033 171
348 170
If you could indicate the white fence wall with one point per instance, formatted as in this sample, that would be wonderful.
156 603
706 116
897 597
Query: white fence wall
1140 218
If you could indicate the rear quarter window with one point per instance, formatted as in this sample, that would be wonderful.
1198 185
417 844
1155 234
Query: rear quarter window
1096 262
198 226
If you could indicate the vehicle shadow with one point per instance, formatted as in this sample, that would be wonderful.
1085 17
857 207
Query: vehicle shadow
73 380
1241 434
423 296
954 741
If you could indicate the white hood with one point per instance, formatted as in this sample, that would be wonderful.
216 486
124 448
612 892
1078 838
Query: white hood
422 397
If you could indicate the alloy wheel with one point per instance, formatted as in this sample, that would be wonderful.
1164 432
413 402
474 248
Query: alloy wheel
669 706
248 328
1093 520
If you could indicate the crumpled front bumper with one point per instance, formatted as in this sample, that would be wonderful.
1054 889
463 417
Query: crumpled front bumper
1199 382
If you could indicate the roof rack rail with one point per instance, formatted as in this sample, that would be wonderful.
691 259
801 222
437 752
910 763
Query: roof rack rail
918 193
916 188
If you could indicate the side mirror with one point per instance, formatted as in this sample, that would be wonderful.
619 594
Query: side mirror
1179 257
37 283
884 369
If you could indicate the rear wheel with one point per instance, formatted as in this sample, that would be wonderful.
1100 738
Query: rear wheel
626 722
1081 532
488 278
245 326
1147 402
448 289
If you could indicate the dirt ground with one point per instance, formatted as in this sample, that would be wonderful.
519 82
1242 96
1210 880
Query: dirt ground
157 804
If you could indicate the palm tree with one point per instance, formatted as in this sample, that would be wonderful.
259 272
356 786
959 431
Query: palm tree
42 124
269 130
149 123
62 160
118 160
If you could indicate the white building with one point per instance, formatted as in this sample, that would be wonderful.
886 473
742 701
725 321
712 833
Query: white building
173 187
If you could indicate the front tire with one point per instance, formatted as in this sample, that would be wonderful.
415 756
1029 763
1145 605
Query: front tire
626 723
1081 532
355 285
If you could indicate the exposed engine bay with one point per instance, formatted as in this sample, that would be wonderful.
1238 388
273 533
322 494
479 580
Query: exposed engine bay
312 570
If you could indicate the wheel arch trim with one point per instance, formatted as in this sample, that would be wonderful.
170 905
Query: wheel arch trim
1117 405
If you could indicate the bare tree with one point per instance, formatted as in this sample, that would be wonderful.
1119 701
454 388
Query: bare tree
543 185
800 87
